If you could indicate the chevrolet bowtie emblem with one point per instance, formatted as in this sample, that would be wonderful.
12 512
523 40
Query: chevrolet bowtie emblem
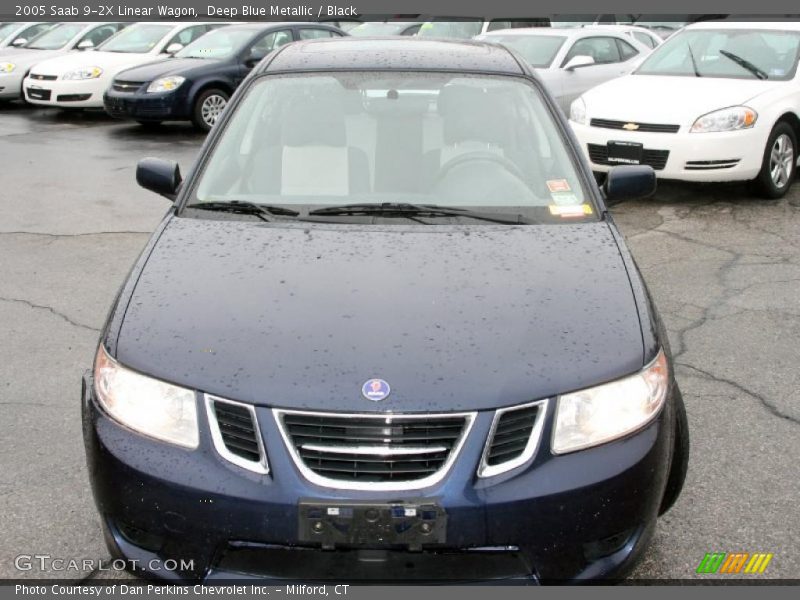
630 126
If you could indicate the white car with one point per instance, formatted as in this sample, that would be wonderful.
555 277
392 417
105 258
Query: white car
718 101
465 29
61 39
19 34
572 60
79 80
641 34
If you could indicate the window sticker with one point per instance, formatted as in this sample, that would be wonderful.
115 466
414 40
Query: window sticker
578 210
565 198
558 185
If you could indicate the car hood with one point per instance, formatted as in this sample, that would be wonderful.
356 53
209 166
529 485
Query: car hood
24 57
453 318
110 62
669 100
164 68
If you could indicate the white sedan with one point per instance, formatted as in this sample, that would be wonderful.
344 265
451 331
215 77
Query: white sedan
572 60
61 39
79 80
718 101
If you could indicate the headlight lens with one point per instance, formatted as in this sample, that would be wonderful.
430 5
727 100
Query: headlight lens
7 67
87 73
600 414
157 409
165 84
577 111
727 119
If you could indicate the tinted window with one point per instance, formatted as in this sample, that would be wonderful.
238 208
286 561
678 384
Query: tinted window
626 51
315 34
270 42
479 141
603 50
98 35
537 50
56 38
729 53
137 39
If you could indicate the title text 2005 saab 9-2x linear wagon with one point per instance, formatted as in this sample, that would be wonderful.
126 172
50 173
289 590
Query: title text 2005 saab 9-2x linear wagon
388 330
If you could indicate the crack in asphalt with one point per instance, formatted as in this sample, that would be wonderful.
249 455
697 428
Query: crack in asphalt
51 310
71 235
766 403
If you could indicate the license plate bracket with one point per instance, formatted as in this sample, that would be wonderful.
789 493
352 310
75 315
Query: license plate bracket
408 523
625 153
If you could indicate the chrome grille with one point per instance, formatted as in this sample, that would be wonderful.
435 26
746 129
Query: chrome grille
634 126
126 86
38 77
369 451
513 439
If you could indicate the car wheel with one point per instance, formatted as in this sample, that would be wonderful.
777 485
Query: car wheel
779 163
208 107
680 456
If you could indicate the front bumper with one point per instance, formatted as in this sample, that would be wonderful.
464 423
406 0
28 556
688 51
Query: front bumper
142 106
703 157
87 93
584 515
11 86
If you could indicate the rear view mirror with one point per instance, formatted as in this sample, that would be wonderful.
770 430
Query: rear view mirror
159 176
86 45
576 62
174 48
19 42
629 183
253 59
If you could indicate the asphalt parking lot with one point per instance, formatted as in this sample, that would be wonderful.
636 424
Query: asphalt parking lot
724 270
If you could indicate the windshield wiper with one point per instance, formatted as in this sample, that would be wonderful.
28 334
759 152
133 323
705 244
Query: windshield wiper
746 64
403 209
262 211
694 62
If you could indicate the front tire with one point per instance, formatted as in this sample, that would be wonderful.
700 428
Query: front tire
208 107
680 456
779 163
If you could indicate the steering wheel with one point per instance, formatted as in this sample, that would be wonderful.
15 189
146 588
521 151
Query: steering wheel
479 155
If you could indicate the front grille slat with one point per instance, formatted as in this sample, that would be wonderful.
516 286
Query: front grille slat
643 127
126 86
373 449
514 437
238 435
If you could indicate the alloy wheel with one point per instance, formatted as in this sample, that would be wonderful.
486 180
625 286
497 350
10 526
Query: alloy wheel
780 160
212 108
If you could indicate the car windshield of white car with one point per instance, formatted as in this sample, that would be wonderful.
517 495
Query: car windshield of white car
56 38
220 43
6 29
538 50
138 39
726 53
479 143
462 30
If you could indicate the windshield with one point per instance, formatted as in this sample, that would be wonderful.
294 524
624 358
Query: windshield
377 29
6 29
537 50
55 39
452 140
219 43
726 53
136 39
462 30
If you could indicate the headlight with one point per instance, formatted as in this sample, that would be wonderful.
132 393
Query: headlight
7 67
577 111
165 84
600 414
87 73
727 119
156 409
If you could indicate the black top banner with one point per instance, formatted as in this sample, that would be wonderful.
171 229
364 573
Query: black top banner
300 10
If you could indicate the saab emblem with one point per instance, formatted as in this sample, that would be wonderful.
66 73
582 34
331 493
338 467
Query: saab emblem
375 390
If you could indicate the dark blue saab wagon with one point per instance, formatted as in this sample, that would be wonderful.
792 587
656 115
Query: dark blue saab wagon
387 331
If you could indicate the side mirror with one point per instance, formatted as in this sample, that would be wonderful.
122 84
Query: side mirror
159 176
253 59
174 48
86 45
19 42
630 182
576 62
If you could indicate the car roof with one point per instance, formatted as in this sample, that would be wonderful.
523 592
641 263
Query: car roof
780 25
275 25
390 53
